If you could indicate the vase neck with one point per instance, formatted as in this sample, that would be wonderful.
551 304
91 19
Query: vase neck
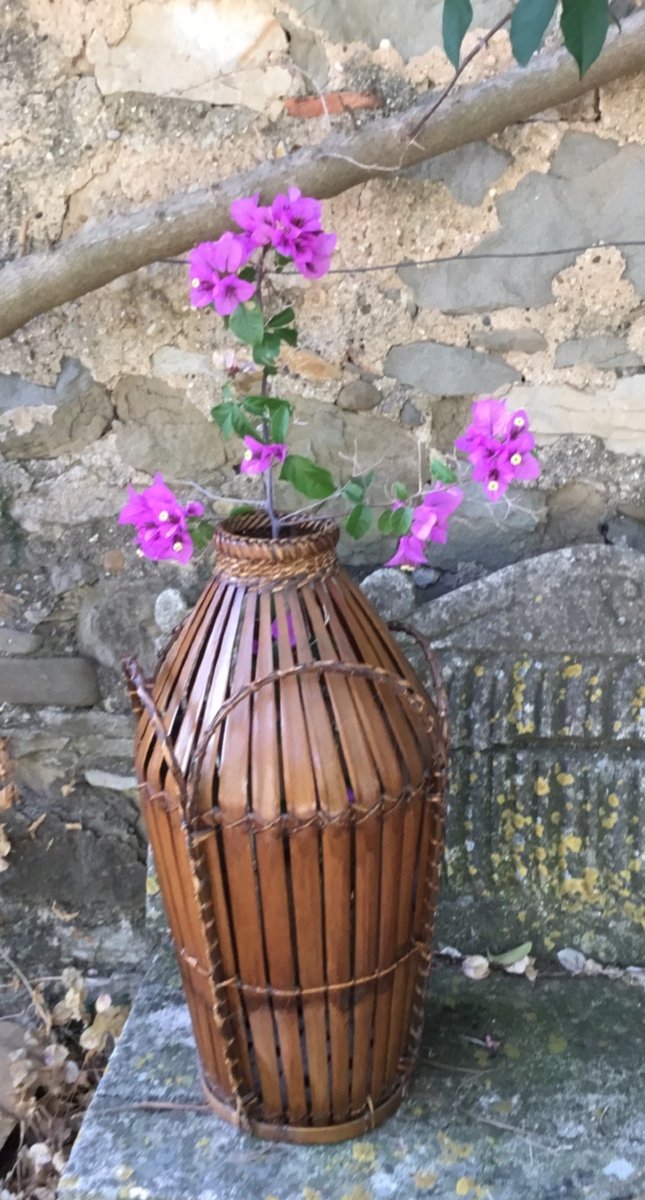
246 553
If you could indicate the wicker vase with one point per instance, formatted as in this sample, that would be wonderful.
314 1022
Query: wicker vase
291 768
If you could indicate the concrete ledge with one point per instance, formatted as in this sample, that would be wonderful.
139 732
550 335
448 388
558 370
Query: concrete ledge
557 1111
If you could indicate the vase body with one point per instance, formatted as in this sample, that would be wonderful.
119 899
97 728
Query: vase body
291 769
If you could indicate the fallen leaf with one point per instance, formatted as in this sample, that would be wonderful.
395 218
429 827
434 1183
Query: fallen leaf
475 967
8 792
106 1026
61 914
72 1006
73 825
573 961
67 790
510 957
32 829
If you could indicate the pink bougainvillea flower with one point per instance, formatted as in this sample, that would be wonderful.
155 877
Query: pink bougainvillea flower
499 444
254 218
410 553
295 217
160 520
213 268
517 456
495 473
260 458
430 518
313 254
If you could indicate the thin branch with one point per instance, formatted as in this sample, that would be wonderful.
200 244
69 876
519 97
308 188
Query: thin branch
95 256
443 96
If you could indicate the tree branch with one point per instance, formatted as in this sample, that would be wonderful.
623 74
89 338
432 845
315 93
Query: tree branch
95 256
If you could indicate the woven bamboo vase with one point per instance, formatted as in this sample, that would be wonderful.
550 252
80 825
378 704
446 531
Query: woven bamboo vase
292 769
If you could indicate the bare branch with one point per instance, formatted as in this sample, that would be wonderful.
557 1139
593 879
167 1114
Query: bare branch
124 243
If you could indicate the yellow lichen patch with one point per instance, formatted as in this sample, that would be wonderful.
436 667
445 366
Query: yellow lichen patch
557 1043
635 864
357 1193
501 798
539 829
152 885
564 779
593 679
525 726
425 1181
617 725
537 599
570 844
521 916
364 1152
452 1152
595 695
613 800
543 874
510 1050
610 821
572 672
466 1186
311 1194
479 670
541 786
540 854
555 818
473 777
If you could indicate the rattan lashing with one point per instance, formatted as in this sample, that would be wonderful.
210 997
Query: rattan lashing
291 768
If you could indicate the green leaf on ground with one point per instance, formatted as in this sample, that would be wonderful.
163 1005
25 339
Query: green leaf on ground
511 956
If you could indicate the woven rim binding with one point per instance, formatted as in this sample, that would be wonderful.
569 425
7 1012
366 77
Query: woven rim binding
244 552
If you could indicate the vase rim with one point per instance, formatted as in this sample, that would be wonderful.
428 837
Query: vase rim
244 552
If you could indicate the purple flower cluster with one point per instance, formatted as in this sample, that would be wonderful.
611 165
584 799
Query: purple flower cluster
499 444
160 520
291 225
429 524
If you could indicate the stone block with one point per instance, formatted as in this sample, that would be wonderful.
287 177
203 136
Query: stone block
159 429
223 53
568 1049
359 396
546 669
616 415
416 29
448 370
391 592
14 642
509 341
467 172
64 682
41 422
590 195
605 351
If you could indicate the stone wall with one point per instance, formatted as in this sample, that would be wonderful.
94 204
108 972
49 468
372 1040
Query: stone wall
112 104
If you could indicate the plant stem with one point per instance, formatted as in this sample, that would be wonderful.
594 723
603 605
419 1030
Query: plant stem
268 475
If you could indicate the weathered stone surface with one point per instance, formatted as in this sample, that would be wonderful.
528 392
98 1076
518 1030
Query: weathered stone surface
617 415
110 782
505 341
416 29
410 415
576 513
64 682
625 531
358 396
219 52
585 1035
546 662
425 577
604 351
14 642
117 618
170 609
41 422
158 428
391 592
491 534
169 360
467 172
590 195
447 370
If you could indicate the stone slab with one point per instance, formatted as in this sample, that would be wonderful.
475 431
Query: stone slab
416 29
545 666
559 1111
64 682
444 370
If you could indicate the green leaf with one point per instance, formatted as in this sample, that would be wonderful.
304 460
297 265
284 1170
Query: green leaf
584 26
400 491
286 317
228 391
280 422
359 521
457 19
290 336
511 956
307 477
266 351
247 273
401 521
230 419
384 522
240 510
528 27
260 406
441 471
354 491
281 261
247 323
201 531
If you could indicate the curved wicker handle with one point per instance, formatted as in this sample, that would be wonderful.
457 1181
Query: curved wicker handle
441 695
356 670
137 688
